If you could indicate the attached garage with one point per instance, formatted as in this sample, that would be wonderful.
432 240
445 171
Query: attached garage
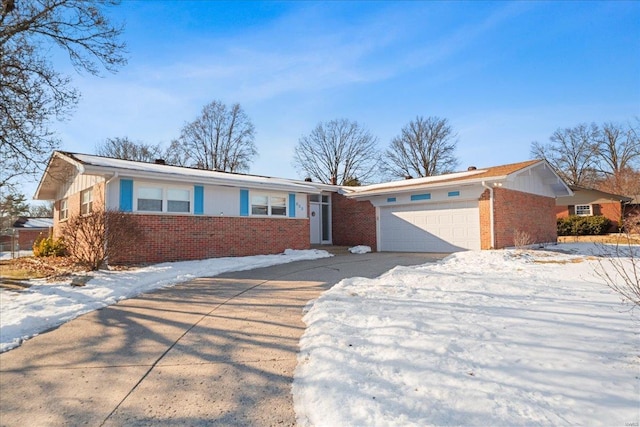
425 227
471 210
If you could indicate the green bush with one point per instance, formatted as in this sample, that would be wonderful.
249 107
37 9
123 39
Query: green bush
583 225
48 246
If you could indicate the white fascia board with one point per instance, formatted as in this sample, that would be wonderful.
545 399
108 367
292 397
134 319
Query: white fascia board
55 157
238 182
423 187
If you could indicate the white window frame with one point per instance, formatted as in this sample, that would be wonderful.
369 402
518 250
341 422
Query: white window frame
64 210
582 209
270 205
165 190
86 206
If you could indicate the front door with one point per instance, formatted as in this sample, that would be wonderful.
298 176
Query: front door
316 223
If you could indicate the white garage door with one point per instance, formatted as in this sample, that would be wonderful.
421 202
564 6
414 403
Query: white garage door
430 227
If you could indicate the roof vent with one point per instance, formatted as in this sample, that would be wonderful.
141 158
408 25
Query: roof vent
408 177
307 179
472 168
160 162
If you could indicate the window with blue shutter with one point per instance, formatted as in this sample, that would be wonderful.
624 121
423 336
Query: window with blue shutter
292 205
126 195
198 199
244 202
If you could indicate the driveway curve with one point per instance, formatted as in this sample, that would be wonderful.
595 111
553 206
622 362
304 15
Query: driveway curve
213 351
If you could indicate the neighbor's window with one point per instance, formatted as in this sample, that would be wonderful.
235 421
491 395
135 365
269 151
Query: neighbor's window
262 204
86 201
64 209
178 200
583 210
150 199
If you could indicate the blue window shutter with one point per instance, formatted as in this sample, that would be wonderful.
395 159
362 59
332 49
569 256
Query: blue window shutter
126 195
292 205
198 199
244 202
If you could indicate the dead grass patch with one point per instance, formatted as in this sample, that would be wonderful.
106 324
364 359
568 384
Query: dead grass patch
615 238
565 261
26 268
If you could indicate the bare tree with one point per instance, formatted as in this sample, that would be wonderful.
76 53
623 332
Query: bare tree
92 239
618 149
619 265
32 93
425 147
220 138
337 152
124 148
41 210
572 153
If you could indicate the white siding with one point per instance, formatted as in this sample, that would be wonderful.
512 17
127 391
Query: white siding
77 184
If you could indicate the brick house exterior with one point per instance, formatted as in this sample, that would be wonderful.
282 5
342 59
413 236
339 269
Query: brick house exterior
590 202
27 230
354 222
181 238
189 214
516 211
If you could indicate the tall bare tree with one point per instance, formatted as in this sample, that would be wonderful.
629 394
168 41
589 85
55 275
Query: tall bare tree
337 152
618 148
572 152
32 92
124 148
220 138
425 147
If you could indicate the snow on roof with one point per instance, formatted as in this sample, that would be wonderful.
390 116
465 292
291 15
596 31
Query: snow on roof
474 175
185 172
28 222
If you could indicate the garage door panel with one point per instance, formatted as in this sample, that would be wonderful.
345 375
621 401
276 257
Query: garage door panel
430 227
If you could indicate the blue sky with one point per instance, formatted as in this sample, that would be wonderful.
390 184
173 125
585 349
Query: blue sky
504 73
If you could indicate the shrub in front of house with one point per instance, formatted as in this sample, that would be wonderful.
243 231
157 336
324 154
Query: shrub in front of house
48 246
575 225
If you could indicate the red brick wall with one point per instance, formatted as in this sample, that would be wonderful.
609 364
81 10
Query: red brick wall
518 211
612 211
353 222
182 237
562 211
26 237
484 206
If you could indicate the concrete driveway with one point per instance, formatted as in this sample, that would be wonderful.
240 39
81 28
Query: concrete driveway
214 351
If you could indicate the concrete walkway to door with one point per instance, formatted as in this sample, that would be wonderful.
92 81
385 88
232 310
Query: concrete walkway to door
214 351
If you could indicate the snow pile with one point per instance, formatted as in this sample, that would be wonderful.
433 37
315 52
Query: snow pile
44 305
360 249
481 338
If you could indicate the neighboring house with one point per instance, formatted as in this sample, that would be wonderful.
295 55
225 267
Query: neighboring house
633 206
25 230
190 213
590 202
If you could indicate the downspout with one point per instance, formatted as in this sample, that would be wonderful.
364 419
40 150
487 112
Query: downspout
106 223
493 236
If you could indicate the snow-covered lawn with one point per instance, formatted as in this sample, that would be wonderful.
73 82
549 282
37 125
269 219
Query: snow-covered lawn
45 305
492 338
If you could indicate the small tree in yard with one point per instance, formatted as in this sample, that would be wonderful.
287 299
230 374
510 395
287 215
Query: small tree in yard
92 239
620 267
